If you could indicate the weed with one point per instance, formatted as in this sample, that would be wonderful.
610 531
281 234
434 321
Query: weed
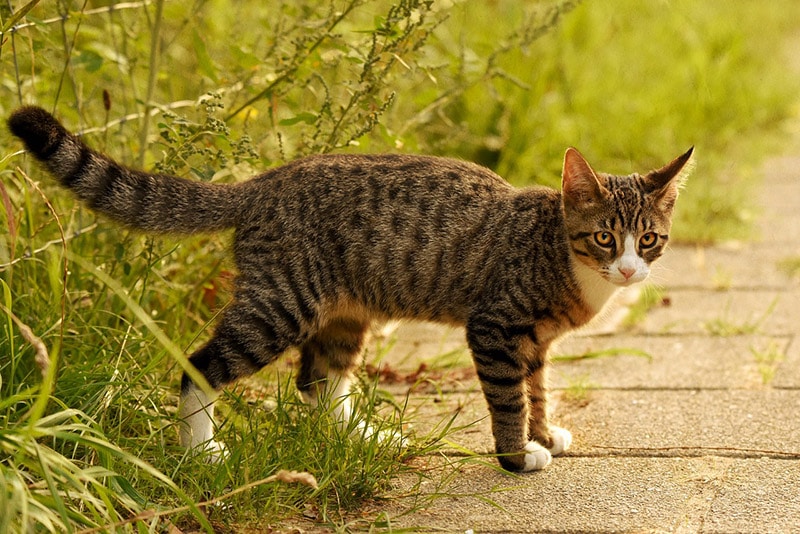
650 297
578 389
605 353
767 360
724 326
722 279
790 267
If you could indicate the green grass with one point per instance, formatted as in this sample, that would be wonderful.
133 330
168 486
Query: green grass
790 266
650 297
92 442
725 326
768 359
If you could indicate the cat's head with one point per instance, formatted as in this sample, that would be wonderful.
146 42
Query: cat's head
619 225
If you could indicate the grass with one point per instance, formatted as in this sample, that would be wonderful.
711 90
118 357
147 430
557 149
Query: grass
649 297
92 442
578 390
724 326
767 360
790 266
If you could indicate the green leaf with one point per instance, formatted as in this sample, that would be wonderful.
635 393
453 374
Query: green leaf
204 61
18 15
90 60
308 118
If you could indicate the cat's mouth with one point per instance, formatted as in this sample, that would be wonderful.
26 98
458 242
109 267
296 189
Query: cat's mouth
625 279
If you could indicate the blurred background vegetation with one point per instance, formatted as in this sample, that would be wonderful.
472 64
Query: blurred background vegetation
218 90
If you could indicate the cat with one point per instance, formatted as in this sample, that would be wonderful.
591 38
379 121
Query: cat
325 244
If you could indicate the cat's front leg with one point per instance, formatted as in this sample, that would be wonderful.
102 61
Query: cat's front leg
555 439
502 358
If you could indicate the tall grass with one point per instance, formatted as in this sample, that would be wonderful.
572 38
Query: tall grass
216 90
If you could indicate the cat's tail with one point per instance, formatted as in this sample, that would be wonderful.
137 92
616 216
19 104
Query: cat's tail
144 201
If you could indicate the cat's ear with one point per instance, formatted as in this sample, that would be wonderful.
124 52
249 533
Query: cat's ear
667 181
579 182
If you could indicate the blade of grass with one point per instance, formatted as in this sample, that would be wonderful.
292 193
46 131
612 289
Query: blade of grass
173 350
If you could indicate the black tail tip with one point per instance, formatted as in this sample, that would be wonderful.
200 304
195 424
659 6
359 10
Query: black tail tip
38 129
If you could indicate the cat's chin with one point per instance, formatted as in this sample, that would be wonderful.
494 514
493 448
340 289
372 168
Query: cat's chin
622 282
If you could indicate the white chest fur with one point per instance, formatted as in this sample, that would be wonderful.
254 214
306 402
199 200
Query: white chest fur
597 291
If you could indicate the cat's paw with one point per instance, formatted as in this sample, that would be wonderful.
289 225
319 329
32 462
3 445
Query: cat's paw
367 432
562 439
212 451
536 457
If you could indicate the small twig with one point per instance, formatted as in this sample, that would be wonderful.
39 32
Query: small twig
139 115
116 7
47 245
42 357
152 79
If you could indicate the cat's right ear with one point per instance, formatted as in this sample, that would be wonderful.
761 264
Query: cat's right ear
579 183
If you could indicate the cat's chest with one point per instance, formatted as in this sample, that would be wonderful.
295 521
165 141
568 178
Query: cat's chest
592 295
595 290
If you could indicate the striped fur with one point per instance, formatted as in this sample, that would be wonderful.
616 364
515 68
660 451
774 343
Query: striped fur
326 244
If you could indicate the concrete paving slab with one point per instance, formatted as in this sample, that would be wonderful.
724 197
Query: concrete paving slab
735 312
634 362
731 266
737 423
707 494
663 362
756 496
572 495
787 374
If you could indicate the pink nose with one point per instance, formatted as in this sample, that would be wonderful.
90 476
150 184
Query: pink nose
627 272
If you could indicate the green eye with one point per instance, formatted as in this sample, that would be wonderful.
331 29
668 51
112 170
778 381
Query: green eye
648 240
604 239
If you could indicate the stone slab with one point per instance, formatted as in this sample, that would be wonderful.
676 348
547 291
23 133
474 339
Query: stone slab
708 494
731 266
630 362
787 374
756 496
662 362
739 423
693 311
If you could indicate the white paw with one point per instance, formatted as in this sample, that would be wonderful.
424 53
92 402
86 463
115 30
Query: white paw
385 437
562 439
212 451
536 457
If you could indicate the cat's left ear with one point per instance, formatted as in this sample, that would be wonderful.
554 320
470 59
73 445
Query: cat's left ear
667 181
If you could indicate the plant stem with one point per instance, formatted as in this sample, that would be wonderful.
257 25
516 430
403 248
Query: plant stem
155 53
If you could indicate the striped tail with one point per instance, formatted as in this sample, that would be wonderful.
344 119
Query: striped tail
149 202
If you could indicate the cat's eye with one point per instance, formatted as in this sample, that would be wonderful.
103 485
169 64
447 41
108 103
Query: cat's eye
648 240
604 239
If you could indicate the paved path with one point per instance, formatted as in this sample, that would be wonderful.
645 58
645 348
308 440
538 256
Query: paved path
702 435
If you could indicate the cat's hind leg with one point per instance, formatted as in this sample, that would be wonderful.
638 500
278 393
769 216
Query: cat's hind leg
253 332
327 361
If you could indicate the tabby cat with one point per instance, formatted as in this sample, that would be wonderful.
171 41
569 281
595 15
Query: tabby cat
325 244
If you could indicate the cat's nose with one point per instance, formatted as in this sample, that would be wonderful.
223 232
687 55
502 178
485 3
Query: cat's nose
627 272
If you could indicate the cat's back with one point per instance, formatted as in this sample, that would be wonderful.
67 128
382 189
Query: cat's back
386 193
397 176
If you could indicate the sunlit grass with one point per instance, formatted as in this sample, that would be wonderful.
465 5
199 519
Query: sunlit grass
95 445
